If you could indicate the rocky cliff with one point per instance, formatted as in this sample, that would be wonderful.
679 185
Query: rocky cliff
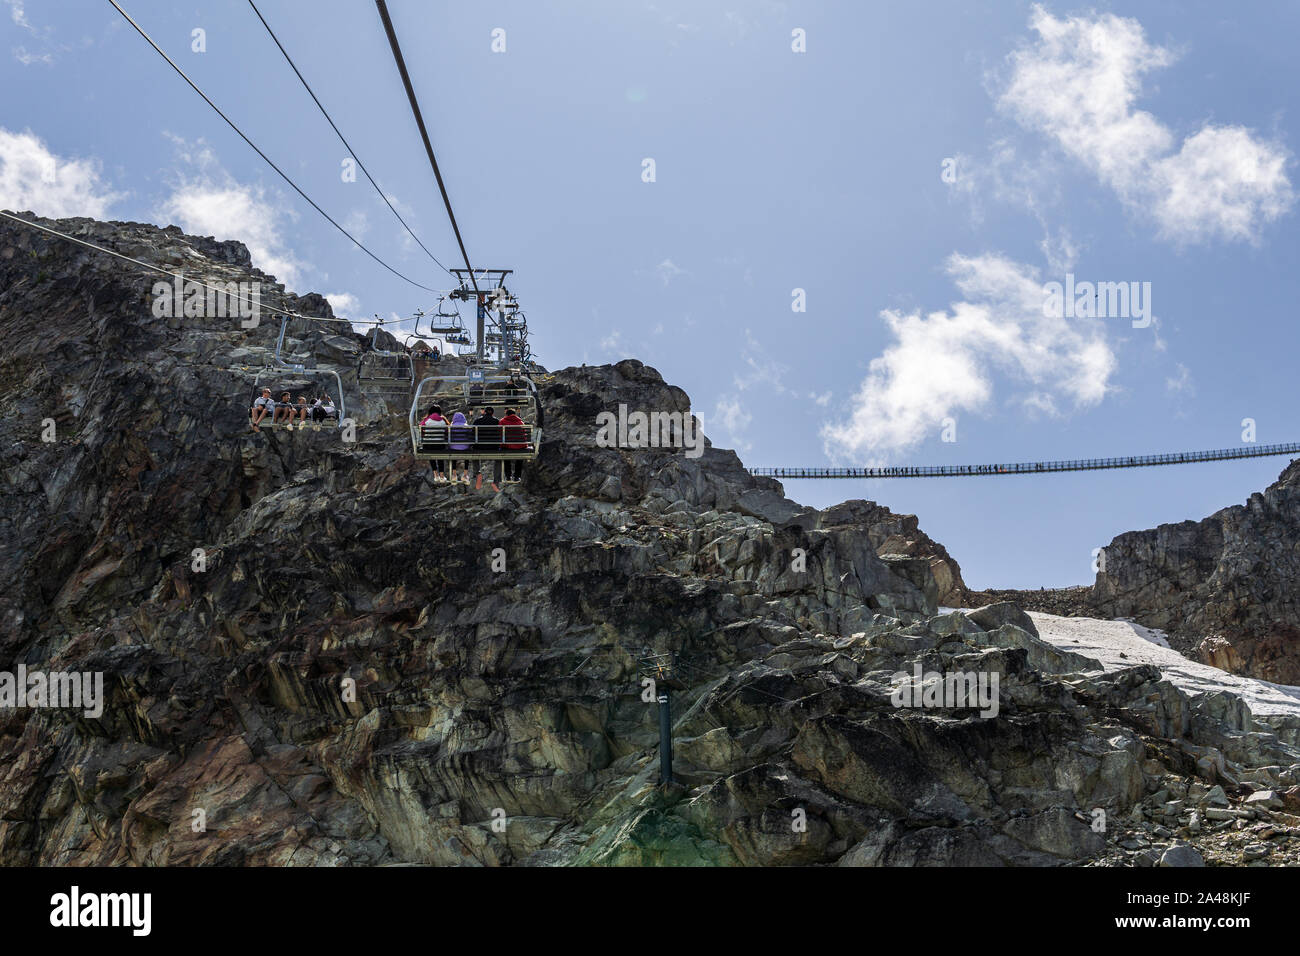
901 534
312 654
1227 588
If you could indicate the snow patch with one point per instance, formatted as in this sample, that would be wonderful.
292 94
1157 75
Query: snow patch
1152 634
1120 644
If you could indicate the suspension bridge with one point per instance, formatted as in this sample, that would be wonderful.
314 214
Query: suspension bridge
1034 467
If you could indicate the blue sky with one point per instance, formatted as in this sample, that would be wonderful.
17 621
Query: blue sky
1148 143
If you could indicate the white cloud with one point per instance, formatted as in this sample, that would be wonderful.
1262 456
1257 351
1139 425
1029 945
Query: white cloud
1032 183
357 223
19 15
823 399
730 418
945 362
401 236
344 304
1223 181
668 270
1040 403
208 201
27 59
735 262
34 178
612 342
759 370
1060 250
1181 383
1078 85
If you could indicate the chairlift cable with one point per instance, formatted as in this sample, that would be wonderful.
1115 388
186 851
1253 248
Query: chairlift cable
352 152
158 269
424 133
259 152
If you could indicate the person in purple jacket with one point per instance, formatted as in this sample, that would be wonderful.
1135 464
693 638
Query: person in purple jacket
461 437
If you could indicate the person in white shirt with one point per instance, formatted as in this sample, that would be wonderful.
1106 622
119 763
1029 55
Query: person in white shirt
262 407
323 408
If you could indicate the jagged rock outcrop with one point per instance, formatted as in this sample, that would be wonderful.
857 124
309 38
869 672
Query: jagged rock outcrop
1227 587
900 534
314 655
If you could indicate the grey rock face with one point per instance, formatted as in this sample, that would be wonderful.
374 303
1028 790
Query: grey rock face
899 534
1181 854
992 616
1227 584
348 676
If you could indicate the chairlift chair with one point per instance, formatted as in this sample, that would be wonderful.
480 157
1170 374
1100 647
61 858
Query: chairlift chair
291 379
443 322
385 373
477 389
463 343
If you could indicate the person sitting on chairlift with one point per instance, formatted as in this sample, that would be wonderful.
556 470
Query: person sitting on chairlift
323 409
284 407
487 437
262 406
435 418
300 411
461 435
514 438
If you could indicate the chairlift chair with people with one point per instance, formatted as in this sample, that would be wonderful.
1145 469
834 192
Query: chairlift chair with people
498 389
316 397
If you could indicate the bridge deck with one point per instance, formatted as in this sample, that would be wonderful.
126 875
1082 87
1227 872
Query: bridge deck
1033 467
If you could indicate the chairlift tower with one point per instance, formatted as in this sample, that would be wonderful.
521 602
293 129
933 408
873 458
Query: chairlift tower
493 296
661 668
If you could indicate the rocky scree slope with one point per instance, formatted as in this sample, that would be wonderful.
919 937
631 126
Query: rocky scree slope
350 682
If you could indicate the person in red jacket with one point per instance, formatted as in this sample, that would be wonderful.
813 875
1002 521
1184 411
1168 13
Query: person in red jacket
515 438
